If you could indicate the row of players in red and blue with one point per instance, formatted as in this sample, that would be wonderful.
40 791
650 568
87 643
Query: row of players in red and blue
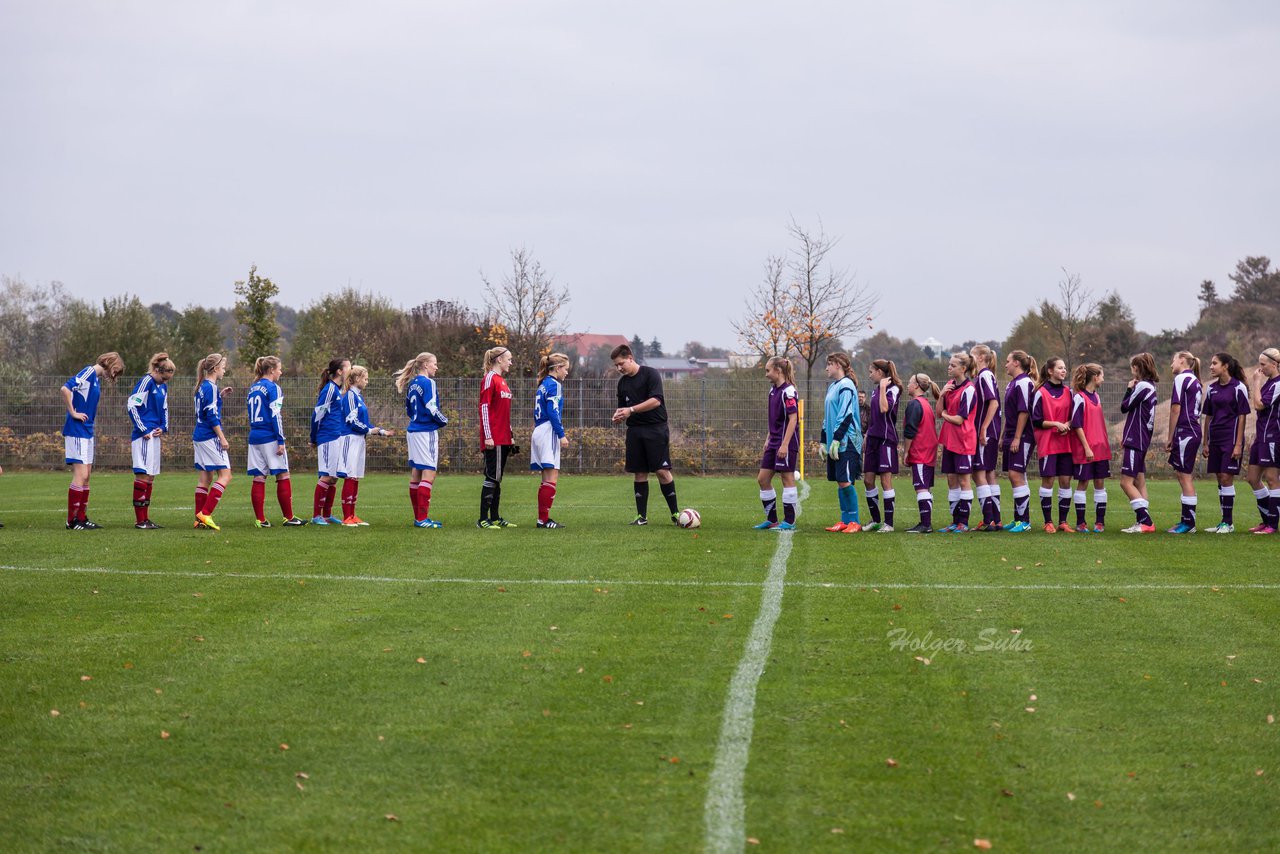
1063 430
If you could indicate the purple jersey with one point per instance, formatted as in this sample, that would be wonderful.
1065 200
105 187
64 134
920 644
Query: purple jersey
1189 395
1224 404
987 391
884 425
783 403
1139 408
1268 427
1017 400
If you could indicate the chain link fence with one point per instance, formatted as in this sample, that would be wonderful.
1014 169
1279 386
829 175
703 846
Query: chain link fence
717 423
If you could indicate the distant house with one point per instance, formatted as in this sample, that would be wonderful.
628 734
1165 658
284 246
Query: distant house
586 343
676 369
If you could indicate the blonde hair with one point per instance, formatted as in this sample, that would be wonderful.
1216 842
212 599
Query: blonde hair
1083 374
783 364
984 356
353 374
208 365
549 363
925 383
1273 354
162 362
111 363
412 368
970 364
1193 362
491 357
264 365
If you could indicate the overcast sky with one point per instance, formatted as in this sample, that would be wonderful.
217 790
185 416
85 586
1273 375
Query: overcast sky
650 154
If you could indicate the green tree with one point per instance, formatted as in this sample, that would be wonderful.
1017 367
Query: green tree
194 335
122 324
348 325
259 333
1256 281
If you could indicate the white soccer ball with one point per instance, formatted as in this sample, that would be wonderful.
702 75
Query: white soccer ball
689 518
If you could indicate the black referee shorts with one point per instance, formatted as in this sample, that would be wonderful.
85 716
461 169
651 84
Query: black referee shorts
648 448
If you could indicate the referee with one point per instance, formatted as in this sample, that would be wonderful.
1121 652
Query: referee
640 405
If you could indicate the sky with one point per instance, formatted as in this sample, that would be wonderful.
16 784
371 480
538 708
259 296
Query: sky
649 155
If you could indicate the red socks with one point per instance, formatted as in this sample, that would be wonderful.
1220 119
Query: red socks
211 503
424 500
317 502
329 497
141 497
202 494
284 494
350 487
258 494
546 495
77 502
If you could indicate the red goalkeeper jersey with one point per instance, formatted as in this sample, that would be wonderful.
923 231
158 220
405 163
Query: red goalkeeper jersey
495 410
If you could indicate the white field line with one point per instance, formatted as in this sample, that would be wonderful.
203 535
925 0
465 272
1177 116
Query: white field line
724 814
629 582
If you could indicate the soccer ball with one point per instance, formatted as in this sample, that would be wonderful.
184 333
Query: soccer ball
688 518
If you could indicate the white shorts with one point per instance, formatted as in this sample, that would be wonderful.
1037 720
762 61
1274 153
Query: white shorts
264 460
210 456
329 457
424 450
78 450
353 452
544 448
146 455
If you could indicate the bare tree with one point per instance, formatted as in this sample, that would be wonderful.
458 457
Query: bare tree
767 327
827 303
525 308
1069 318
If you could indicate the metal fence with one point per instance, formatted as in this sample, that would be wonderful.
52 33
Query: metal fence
717 423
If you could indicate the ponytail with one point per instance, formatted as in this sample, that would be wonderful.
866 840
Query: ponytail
986 355
1146 365
206 366
846 365
549 363
265 365
1083 374
1025 361
354 373
1193 362
327 375
889 369
412 368
1046 369
924 382
491 357
1233 367
784 365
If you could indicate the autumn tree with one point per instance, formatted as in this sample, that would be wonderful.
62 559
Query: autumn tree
1068 318
526 308
348 324
259 333
767 327
122 323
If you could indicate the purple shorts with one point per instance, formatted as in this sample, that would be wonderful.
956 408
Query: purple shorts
1057 465
1133 462
1182 458
922 476
772 462
1017 459
1263 454
988 456
953 463
1096 470
1221 461
878 456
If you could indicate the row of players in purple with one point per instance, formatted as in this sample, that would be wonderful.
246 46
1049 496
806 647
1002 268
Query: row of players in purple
1063 428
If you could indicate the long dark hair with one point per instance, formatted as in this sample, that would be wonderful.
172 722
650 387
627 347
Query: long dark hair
1233 367
327 375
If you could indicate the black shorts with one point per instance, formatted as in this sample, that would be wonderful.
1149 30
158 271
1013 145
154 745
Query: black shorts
495 461
648 448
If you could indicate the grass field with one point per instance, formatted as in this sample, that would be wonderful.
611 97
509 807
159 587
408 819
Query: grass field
389 688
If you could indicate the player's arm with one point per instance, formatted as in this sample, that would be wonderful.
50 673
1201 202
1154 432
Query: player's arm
433 407
135 413
1077 424
993 407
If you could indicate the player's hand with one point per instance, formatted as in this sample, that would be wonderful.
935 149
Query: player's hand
564 441
156 432
833 450
950 386
279 450
80 416
620 414
1204 452
1168 447
1133 382
488 444
1088 453
884 383
224 444
225 391
822 452
1237 452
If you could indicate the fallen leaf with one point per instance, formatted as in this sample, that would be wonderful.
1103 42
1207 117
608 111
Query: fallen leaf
382 738
1004 560
85 678
751 840
198 638
606 678
303 775
1271 719
1006 793
1098 562
1258 773
1257 681
897 607
1122 599
421 660
198 595
555 628
837 830
164 734
984 844
726 616
926 662
391 817
546 713
54 713
502 589
298 783
675 760
1032 698
1039 564
1031 708
1223 683
284 747
525 654
1070 796
626 726
639 702
1231 658
1017 567
1098 804
386 649
891 762
128 665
